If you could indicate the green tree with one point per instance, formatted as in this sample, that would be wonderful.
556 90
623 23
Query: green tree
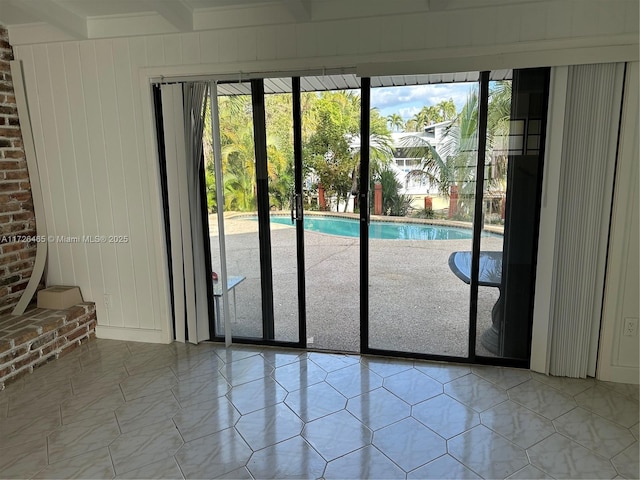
329 148
395 122
498 124
334 147
238 153
428 115
455 162
380 149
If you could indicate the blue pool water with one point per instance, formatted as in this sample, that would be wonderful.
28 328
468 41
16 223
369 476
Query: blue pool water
347 227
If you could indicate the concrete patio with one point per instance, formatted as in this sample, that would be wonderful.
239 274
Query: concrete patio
416 304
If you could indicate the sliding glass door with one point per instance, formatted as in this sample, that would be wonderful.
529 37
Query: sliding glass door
452 239
259 174
421 226
423 200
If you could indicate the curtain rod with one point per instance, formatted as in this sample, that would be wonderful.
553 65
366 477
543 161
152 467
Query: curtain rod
246 76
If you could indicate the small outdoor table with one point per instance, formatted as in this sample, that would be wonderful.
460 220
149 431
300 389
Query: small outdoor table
232 283
489 275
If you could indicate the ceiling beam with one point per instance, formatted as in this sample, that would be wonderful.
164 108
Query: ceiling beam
175 12
48 11
300 9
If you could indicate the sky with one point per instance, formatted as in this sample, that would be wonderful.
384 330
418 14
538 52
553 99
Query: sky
407 101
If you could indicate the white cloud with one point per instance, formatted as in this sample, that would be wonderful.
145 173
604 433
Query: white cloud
407 112
410 99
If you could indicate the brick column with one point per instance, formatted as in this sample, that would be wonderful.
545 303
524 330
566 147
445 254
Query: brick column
17 217
322 203
377 199
453 201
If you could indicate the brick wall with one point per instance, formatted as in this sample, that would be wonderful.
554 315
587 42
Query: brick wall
17 218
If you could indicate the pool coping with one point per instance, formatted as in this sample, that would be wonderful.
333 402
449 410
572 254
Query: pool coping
499 229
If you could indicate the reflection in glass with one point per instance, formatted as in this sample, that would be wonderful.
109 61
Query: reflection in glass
503 136
417 302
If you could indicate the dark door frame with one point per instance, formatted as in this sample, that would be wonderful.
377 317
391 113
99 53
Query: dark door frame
264 232
257 93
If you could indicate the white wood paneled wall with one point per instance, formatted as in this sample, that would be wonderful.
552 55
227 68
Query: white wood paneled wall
619 356
90 146
95 140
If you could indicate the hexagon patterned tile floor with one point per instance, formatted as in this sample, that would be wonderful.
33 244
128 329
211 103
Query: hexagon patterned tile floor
125 410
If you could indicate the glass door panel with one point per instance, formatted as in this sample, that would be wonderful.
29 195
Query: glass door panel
238 214
490 299
423 171
330 138
512 191
280 168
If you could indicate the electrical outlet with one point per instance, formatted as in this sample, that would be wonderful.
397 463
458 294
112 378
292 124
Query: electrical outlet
107 301
630 327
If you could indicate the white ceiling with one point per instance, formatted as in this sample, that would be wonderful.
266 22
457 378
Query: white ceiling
83 19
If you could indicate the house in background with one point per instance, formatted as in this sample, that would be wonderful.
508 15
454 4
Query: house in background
88 70
404 164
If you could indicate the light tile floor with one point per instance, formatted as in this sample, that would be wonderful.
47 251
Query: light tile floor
125 410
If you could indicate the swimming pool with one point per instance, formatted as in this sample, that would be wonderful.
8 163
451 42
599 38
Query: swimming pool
347 227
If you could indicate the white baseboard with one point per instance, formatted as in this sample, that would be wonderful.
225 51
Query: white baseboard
132 334
619 374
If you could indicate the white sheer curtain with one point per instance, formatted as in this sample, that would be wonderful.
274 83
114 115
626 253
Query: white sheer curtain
183 123
592 117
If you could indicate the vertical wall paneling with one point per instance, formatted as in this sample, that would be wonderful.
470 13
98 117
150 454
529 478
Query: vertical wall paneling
140 233
50 157
305 41
618 359
228 46
87 254
485 28
586 181
248 46
99 181
115 185
461 35
133 220
155 50
71 200
533 23
190 43
64 186
345 36
267 46
172 49
209 46
156 237
631 18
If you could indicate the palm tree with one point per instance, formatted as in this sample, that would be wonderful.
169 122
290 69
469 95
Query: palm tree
417 122
498 124
239 167
454 164
380 149
395 122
